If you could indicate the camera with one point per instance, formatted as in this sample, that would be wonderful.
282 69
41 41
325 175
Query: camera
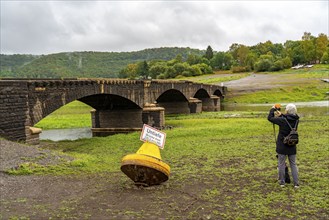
277 107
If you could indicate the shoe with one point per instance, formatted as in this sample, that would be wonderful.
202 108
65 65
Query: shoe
282 185
296 186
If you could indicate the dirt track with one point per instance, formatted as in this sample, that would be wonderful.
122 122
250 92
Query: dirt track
257 82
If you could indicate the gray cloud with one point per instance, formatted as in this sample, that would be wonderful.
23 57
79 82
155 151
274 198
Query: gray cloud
43 27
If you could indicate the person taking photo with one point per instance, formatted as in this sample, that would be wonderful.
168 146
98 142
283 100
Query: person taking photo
285 150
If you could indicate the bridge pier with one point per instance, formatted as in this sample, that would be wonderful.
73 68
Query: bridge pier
32 135
195 105
153 116
211 104
175 107
109 122
24 102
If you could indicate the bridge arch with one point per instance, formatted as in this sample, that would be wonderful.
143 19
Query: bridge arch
174 102
171 95
109 102
201 94
208 102
113 111
219 93
24 102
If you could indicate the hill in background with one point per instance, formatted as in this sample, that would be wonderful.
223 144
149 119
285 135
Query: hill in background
83 64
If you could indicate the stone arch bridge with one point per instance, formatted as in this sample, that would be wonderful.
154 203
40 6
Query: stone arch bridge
118 105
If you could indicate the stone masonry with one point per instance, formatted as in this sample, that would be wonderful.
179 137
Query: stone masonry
119 105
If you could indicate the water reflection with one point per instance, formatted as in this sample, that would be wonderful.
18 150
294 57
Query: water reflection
65 134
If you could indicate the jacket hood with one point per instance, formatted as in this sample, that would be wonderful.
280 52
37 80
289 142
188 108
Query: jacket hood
292 117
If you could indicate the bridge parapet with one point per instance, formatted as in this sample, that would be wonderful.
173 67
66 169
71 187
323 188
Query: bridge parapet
24 102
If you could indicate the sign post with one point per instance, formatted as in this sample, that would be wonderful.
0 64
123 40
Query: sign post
152 135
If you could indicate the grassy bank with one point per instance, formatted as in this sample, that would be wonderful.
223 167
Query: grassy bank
217 78
223 164
227 159
73 115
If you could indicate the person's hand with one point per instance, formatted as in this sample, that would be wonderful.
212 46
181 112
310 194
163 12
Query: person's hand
277 113
277 106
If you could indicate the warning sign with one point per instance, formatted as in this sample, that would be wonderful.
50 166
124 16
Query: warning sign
152 135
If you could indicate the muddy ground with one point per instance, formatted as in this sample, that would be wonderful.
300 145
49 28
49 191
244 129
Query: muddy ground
97 196
107 195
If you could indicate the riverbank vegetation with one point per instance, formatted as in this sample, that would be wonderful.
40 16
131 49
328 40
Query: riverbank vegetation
224 163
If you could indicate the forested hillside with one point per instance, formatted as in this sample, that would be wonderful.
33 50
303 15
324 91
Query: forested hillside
10 63
83 64
164 63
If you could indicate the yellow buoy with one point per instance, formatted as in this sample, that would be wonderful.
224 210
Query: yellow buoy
146 167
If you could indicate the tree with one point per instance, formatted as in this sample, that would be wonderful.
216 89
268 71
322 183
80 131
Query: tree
170 73
193 59
179 68
293 49
196 70
308 49
209 53
250 61
321 46
264 63
277 65
179 58
234 50
156 69
242 53
221 61
130 71
143 69
239 52
205 69
205 61
217 62
264 48
286 62
307 36
325 58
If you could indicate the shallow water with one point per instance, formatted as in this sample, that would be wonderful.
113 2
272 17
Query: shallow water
65 134
303 108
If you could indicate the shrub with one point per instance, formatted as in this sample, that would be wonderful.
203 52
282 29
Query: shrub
239 69
277 65
196 70
263 65
325 58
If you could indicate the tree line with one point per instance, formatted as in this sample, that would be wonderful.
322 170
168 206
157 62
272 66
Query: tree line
163 63
262 57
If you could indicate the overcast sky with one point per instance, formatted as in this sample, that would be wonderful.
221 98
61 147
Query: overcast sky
44 27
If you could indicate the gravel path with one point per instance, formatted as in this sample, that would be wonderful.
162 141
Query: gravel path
13 154
259 82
